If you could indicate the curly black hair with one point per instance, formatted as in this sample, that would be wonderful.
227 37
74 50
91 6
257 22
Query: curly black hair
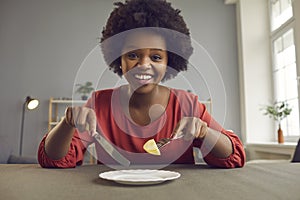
135 14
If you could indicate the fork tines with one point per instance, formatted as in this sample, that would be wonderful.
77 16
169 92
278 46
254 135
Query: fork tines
162 142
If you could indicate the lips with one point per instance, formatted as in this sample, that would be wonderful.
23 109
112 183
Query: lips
143 78
139 77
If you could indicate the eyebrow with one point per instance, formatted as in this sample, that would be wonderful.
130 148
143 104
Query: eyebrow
133 48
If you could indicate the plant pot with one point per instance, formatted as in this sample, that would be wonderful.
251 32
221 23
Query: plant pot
280 135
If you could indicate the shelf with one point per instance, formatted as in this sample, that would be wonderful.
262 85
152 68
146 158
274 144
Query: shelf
68 101
57 108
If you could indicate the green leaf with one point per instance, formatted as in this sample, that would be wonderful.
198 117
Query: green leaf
277 111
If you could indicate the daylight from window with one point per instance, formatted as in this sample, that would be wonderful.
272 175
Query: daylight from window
282 11
284 63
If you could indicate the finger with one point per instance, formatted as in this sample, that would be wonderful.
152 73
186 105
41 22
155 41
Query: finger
69 117
188 135
203 130
81 118
198 128
178 131
189 130
74 115
92 122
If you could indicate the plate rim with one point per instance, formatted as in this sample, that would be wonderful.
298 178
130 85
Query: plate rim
175 174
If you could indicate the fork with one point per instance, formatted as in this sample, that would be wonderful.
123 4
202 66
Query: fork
164 141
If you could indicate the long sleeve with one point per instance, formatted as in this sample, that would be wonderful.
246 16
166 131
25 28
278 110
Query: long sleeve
236 159
73 158
190 106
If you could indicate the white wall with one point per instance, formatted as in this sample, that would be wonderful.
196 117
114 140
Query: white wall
44 43
255 70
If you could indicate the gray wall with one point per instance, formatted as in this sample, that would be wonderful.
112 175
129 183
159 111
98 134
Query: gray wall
43 44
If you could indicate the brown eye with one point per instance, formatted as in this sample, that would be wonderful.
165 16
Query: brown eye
132 55
156 58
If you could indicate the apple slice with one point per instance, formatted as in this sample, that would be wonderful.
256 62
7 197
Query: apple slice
151 147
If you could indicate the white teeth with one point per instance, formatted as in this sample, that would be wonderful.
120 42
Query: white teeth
143 76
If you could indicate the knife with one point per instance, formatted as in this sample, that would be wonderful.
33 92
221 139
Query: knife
111 150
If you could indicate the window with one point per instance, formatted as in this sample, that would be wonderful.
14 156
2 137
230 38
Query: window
284 69
281 12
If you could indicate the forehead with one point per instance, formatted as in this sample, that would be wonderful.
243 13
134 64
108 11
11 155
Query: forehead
143 39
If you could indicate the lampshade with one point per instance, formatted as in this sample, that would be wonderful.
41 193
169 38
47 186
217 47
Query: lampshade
31 103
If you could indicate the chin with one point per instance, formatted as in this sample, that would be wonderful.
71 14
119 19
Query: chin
146 89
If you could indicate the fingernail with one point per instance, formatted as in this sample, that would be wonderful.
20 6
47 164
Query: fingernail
93 133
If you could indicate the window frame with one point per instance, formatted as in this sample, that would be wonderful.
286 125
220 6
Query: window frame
274 35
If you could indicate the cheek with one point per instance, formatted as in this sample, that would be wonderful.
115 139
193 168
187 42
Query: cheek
126 65
123 65
161 71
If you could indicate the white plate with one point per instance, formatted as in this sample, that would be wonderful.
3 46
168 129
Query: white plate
139 176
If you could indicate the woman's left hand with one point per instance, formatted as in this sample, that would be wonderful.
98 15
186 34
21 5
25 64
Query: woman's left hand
190 128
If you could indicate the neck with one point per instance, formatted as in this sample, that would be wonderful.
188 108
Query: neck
142 100
143 108
159 95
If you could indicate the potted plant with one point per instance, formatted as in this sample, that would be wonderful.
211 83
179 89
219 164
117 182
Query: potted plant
84 89
278 111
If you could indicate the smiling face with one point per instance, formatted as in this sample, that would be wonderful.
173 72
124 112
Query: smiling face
144 60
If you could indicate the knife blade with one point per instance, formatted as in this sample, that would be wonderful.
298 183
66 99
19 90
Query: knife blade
111 150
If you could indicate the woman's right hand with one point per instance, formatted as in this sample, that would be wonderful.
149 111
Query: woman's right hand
82 118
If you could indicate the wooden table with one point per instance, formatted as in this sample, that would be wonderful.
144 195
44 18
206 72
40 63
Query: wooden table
255 181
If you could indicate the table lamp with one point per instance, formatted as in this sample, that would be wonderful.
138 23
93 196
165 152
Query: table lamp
29 104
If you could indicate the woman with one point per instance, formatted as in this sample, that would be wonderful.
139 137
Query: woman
147 42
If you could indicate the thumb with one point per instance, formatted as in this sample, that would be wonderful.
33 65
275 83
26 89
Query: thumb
91 122
178 131
91 130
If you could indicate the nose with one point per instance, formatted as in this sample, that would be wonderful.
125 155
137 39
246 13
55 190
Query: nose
145 61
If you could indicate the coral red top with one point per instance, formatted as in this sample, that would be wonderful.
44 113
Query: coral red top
128 138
